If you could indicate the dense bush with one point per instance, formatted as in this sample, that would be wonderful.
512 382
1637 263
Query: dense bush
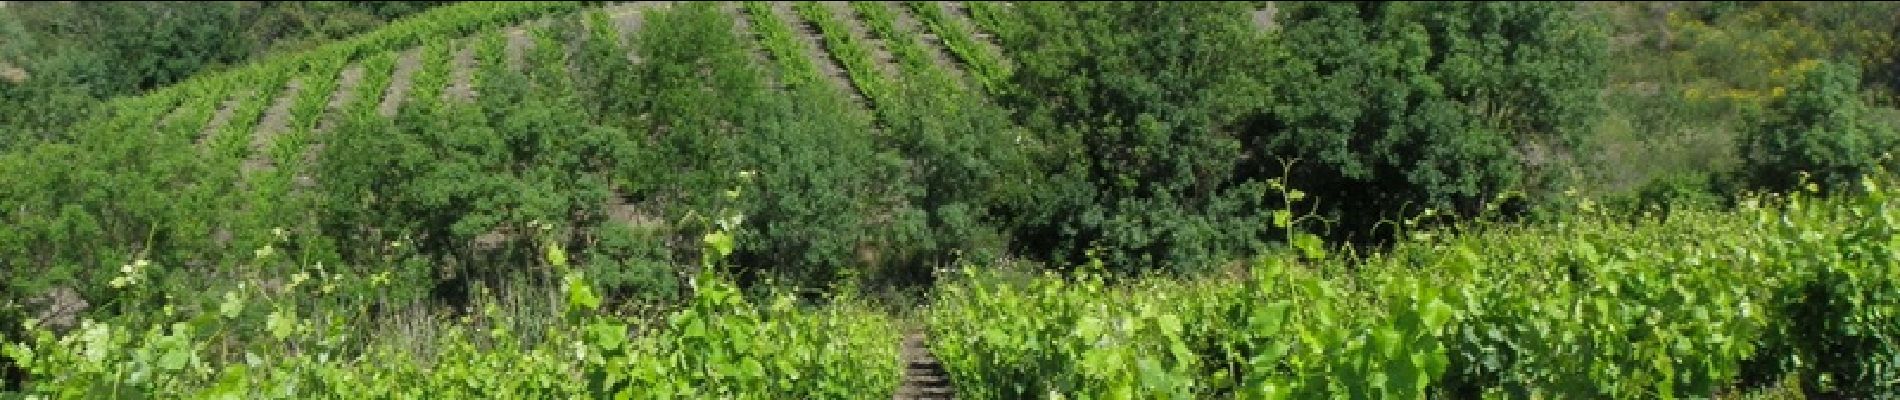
1820 129
965 167
489 172
1136 108
1390 108
1677 191
1139 137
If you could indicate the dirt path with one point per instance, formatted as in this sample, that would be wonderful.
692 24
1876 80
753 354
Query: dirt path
347 83
820 54
222 117
628 18
880 51
924 377
518 43
171 117
346 86
1263 17
399 81
461 85
276 120
907 21
959 13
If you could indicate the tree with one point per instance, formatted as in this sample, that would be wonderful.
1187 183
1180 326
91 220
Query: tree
1395 107
1821 128
1137 108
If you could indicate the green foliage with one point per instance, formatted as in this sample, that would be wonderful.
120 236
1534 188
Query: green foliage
1444 105
143 44
1142 136
1692 306
722 345
696 85
855 55
1672 192
821 189
73 56
1820 129
787 51
605 73
1137 110
1683 76
990 69
461 172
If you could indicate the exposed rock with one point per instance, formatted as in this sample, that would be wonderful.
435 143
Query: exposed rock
59 308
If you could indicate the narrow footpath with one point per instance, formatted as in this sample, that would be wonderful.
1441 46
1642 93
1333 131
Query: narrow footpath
924 377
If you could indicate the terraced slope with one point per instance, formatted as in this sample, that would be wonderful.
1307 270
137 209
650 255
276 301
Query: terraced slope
462 79
880 52
399 82
819 52
266 125
907 21
275 121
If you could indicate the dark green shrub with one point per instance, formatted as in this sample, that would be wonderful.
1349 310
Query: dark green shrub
472 185
964 164
1672 192
1390 108
821 193
1820 129
1137 110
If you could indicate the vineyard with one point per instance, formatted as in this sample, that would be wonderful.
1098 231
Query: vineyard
938 199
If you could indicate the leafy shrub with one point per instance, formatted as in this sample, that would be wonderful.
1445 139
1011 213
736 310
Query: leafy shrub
963 166
1389 108
719 345
1135 108
450 176
820 192
1674 191
1820 128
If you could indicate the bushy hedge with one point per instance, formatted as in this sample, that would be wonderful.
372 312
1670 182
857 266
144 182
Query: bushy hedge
1392 108
1697 305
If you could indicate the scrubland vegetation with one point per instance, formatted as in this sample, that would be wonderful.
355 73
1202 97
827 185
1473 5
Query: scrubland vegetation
1073 200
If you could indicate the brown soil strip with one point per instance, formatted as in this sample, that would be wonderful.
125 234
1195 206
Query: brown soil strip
742 26
880 52
820 54
924 377
222 117
959 13
906 21
276 120
399 82
1263 17
461 85
518 43
347 84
